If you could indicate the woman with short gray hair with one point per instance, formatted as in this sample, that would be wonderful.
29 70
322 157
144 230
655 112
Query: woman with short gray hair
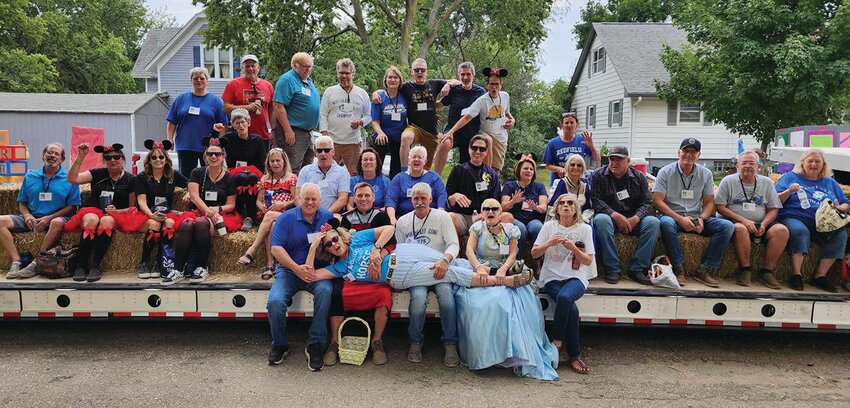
245 162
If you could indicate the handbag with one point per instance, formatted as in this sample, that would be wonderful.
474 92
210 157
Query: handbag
830 218
661 273
57 262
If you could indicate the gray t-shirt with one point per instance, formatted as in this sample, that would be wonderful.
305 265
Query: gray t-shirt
672 182
733 194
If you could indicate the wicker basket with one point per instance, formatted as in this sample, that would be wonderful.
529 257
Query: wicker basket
353 349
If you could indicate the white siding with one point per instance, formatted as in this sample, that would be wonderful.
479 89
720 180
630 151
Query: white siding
149 123
653 138
174 75
151 85
599 90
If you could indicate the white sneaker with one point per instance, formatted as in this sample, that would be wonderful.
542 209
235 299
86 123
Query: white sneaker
13 271
28 272
199 275
173 277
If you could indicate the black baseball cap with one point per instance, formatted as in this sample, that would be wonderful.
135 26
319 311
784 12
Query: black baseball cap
690 142
619 151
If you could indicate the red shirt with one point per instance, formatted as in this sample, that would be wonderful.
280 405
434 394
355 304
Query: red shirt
240 91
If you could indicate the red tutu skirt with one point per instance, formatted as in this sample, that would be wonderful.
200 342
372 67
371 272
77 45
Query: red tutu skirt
232 221
250 169
126 222
75 224
366 296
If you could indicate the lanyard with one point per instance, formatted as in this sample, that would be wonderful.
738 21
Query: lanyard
421 227
393 102
369 218
682 176
46 188
497 237
744 190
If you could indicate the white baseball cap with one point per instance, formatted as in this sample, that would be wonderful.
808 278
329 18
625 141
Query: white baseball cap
249 57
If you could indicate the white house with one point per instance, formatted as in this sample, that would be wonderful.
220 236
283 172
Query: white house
613 89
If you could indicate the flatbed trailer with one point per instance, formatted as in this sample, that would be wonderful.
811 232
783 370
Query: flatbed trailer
124 296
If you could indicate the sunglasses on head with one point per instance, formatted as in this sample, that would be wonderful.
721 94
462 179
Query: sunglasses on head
419 70
490 209
323 150
111 158
157 157
214 154
481 149
331 242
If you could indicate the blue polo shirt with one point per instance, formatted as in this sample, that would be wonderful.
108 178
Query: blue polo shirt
335 181
292 229
402 182
194 117
301 98
380 184
63 192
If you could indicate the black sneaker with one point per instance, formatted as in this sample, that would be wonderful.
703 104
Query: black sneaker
639 277
823 283
94 275
277 354
79 275
314 356
612 277
795 282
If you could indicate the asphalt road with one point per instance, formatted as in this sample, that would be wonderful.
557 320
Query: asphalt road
222 364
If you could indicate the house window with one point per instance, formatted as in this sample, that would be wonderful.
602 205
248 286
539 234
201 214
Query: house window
598 64
689 113
591 116
615 113
721 166
219 61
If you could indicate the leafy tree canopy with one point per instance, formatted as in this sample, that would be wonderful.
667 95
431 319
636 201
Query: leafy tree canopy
636 11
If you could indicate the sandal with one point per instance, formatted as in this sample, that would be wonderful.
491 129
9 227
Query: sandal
268 273
246 259
521 279
578 365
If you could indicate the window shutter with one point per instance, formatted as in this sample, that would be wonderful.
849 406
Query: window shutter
237 67
672 112
587 116
621 113
610 113
196 56
706 121
603 57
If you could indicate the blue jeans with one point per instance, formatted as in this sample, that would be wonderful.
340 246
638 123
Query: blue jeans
718 229
802 232
527 233
647 233
448 315
286 284
566 320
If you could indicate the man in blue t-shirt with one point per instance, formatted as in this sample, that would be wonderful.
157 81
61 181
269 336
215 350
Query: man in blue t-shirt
295 230
46 200
561 147
296 111
460 97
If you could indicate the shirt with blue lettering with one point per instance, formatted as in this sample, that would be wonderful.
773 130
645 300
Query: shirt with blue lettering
557 152
389 109
814 192
62 192
194 117
301 99
357 262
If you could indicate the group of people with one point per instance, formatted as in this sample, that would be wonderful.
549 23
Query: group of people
334 225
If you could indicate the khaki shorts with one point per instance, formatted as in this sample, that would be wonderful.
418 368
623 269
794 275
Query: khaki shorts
348 154
499 151
427 139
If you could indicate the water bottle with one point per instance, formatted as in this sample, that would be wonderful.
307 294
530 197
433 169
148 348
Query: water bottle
267 198
219 226
804 199
757 239
576 263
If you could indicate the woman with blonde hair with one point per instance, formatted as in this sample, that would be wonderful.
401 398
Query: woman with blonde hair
574 182
389 118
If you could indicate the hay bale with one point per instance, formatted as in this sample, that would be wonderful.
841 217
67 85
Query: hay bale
9 198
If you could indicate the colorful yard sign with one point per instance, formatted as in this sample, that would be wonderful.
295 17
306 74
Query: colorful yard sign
92 136
797 139
844 139
821 138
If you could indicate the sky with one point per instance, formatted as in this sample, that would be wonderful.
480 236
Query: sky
557 57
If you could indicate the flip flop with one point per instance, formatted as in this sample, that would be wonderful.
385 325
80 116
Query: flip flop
268 273
578 365
246 259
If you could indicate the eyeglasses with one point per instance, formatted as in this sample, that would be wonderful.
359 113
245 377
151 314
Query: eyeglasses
568 202
343 73
489 209
157 157
323 150
330 242
576 165
749 163
111 158
304 66
419 70
481 149
214 154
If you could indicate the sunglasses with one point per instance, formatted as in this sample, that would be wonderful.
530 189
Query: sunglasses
481 149
323 150
157 157
331 242
568 202
490 209
419 70
111 158
214 154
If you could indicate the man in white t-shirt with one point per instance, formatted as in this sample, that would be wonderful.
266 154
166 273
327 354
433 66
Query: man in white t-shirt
345 109
494 110
434 228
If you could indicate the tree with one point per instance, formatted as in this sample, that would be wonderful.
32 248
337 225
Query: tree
637 11
761 65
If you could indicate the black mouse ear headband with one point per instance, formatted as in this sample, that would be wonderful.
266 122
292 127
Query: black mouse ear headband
208 141
488 72
106 149
164 145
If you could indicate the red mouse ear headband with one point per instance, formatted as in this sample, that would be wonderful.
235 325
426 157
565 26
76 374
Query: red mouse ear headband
208 141
107 149
488 72
164 145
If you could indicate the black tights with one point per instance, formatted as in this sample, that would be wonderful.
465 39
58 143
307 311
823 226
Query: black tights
94 245
246 194
192 237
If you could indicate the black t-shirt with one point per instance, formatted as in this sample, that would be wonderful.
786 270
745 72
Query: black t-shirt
457 100
223 188
422 94
252 150
159 193
462 180
358 221
120 189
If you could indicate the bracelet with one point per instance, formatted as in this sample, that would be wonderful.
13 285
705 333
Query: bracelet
378 247
78 161
445 260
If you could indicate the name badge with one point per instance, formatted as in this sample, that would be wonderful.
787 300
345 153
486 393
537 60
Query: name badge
395 116
312 237
688 194
504 249
323 183
211 196
481 186
422 106
526 206
409 192
349 277
305 91
194 110
622 194
158 200
241 164
109 194
749 206
45 196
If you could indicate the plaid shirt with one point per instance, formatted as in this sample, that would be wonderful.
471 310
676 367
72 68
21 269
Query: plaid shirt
604 188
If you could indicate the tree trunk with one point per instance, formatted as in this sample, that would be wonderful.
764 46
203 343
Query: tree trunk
406 27
359 22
